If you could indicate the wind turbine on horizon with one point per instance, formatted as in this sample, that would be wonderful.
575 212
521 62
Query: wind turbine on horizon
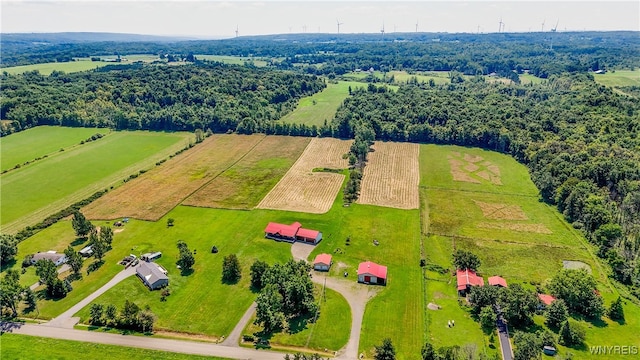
500 25
339 23
416 25
553 29
382 30
543 21
236 30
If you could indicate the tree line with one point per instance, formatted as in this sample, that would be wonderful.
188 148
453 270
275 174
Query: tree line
169 98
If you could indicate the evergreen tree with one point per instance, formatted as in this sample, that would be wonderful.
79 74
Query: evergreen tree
616 312
385 351
80 224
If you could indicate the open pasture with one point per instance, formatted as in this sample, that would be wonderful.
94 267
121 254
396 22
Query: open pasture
437 171
303 190
322 106
35 191
619 78
244 184
48 68
40 141
154 193
391 176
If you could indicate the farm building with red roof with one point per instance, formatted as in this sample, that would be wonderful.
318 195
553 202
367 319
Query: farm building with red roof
372 273
466 279
292 233
322 262
497 281
546 299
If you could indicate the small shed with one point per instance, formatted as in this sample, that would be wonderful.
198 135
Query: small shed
56 258
497 281
546 299
148 257
152 275
372 273
322 262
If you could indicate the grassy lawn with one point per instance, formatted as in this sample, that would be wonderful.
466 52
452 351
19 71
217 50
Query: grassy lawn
236 60
330 331
35 191
619 78
39 141
322 106
26 347
401 301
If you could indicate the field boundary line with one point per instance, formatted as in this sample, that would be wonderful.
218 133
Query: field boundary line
475 191
216 176
451 236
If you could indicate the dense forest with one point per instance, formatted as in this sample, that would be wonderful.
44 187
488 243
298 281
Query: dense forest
543 54
196 96
580 140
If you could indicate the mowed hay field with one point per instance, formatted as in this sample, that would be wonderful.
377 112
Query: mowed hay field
619 78
35 191
303 190
391 176
244 184
39 141
48 68
322 106
153 194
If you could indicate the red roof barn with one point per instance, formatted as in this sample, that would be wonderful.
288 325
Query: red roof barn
466 279
292 233
322 262
497 281
372 273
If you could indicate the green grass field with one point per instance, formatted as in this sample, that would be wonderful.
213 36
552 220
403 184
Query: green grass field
39 141
48 68
16 347
31 193
454 219
80 64
322 106
235 60
334 319
528 78
619 78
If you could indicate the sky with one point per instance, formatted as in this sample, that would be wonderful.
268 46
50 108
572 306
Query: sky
216 19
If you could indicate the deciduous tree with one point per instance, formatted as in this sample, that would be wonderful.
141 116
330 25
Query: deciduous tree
556 314
464 259
231 271
385 351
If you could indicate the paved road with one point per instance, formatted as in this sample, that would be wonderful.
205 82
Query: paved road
62 269
180 346
503 335
66 320
234 337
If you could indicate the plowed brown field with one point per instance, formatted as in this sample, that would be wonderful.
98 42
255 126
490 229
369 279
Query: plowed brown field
154 193
391 176
306 191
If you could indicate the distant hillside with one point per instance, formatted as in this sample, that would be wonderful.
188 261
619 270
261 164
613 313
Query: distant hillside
83 37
